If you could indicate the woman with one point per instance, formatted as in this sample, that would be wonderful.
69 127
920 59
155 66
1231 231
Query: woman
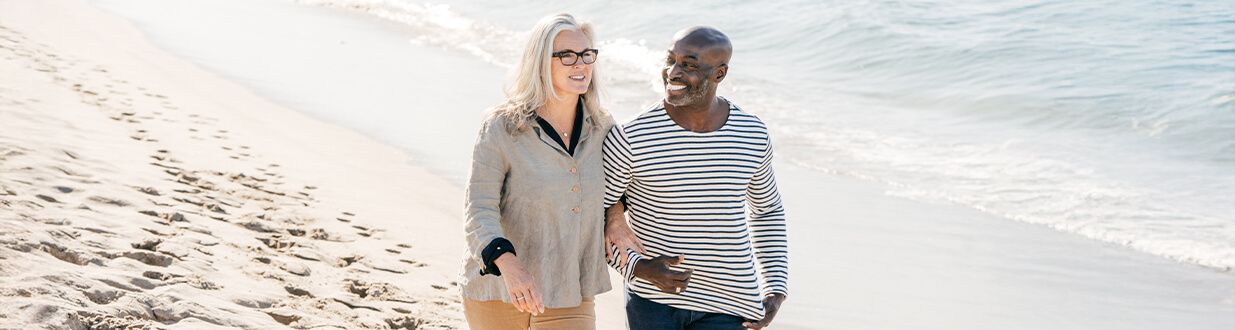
534 196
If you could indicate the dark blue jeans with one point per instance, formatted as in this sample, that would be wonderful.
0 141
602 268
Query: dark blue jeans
643 314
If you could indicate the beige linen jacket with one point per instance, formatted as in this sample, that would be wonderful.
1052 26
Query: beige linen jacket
523 186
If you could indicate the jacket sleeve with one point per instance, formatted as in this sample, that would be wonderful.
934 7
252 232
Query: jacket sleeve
485 184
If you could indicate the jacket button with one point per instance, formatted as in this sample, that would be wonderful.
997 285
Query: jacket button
574 189
573 170
576 210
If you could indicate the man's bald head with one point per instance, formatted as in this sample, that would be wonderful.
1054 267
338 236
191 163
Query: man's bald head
714 45
697 61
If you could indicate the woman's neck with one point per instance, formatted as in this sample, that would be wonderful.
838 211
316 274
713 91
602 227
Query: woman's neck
560 112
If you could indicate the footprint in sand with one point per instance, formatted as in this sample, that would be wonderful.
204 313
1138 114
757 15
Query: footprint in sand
348 260
103 296
69 172
294 268
384 268
257 226
285 315
108 201
370 290
68 255
157 232
148 190
149 258
167 218
46 198
172 278
148 244
296 291
118 285
305 253
367 232
413 263
323 235
277 242
160 204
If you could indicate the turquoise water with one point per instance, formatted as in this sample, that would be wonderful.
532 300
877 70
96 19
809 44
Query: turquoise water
1112 120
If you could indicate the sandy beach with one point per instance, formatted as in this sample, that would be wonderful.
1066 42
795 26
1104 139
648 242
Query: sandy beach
140 191
273 164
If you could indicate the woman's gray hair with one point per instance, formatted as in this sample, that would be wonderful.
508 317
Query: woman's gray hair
532 85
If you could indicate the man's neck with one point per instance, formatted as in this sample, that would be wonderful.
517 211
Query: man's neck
702 117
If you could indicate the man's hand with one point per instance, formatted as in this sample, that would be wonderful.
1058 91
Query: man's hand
771 304
618 233
657 271
520 285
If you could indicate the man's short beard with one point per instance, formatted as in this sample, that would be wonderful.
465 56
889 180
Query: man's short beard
692 96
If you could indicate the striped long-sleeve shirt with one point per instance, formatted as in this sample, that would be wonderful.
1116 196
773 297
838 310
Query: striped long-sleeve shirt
688 194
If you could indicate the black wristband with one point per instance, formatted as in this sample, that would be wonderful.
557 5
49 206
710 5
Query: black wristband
495 249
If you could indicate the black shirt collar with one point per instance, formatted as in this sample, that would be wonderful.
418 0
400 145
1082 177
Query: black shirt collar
575 130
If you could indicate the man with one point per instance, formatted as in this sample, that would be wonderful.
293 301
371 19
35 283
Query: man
688 168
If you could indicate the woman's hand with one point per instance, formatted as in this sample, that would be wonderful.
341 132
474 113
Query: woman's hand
619 234
520 285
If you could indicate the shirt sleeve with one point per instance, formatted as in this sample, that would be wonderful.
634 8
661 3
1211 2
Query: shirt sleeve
767 225
484 191
496 248
617 164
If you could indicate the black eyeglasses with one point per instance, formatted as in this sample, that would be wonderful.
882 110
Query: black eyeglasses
570 57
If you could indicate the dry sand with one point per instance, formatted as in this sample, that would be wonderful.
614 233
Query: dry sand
137 190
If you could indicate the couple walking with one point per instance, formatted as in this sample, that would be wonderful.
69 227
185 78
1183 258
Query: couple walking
558 192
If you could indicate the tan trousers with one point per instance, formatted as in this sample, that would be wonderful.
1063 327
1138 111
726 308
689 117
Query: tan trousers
497 315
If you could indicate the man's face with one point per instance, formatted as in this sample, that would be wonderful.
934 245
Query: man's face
688 74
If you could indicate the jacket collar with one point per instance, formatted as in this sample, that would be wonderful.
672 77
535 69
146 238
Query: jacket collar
584 132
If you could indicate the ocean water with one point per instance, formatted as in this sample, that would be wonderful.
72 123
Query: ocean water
1112 120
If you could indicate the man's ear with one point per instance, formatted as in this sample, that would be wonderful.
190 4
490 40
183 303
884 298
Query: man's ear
721 72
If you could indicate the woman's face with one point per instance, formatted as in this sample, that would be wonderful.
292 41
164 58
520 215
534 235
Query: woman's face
571 80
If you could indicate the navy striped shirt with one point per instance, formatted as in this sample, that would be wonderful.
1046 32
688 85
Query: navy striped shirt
710 197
